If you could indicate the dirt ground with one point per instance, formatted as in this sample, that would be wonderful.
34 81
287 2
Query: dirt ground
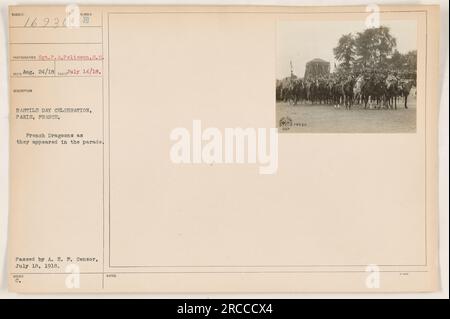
314 118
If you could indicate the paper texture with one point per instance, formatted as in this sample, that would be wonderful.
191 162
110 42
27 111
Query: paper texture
126 175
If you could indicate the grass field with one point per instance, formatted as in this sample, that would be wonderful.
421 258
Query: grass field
315 118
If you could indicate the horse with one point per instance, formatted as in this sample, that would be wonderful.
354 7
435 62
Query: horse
405 87
392 91
345 89
358 88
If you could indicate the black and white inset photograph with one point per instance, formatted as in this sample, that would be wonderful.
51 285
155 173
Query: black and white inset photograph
346 77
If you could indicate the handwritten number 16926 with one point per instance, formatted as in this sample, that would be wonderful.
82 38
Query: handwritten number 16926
45 22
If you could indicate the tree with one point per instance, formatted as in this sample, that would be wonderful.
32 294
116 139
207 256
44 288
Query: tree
411 61
345 52
404 64
373 47
397 62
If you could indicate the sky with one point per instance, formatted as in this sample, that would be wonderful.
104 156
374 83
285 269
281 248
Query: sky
302 41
